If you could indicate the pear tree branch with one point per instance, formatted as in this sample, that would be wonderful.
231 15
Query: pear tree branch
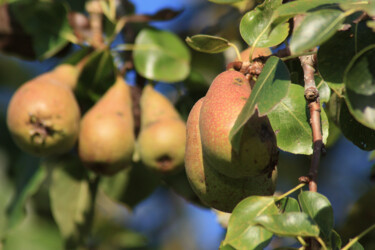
312 97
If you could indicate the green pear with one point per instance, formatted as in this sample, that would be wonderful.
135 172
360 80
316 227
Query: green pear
43 116
162 137
222 104
213 188
106 139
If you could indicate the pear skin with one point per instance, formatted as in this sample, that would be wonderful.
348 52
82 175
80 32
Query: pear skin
214 189
155 107
224 101
106 138
43 117
162 137
66 74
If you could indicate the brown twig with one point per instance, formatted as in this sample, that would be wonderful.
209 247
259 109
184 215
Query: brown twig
312 98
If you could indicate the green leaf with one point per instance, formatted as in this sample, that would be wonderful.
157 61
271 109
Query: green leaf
270 88
131 185
46 22
335 240
359 75
324 90
77 56
315 29
28 185
290 224
225 1
342 47
362 107
294 8
256 26
96 77
366 6
242 232
207 43
356 246
319 209
290 121
288 204
35 233
71 198
161 56
362 136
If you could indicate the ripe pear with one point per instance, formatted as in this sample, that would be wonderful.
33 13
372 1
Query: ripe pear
162 137
214 189
66 74
106 139
222 104
43 116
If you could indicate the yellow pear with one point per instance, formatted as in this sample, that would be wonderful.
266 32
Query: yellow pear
43 116
161 141
106 139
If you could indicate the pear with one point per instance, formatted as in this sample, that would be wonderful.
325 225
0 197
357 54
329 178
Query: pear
106 139
222 104
43 116
66 74
214 189
161 141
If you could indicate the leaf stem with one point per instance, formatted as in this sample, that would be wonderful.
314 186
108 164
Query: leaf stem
237 51
302 241
356 239
289 192
321 242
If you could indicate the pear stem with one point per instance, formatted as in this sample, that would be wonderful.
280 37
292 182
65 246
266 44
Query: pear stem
237 51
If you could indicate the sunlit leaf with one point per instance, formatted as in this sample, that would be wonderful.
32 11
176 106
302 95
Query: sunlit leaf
207 43
294 8
290 121
242 232
161 56
270 88
288 204
319 209
290 224
256 26
362 107
316 28
323 88
362 136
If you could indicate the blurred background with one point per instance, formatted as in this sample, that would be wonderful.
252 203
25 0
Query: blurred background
164 220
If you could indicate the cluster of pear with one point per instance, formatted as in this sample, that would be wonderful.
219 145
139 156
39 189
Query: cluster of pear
44 119
220 176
